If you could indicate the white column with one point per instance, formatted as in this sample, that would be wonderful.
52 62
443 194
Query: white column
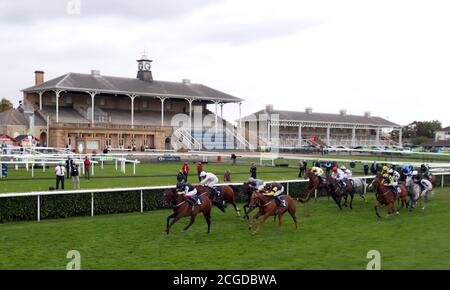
354 136
400 137
190 114
57 92
40 99
300 141
132 97
92 94
221 110
215 113
328 135
240 115
162 109
378 136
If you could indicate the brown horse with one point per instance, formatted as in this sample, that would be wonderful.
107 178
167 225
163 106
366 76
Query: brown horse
181 209
268 207
227 195
402 197
314 185
337 192
384 195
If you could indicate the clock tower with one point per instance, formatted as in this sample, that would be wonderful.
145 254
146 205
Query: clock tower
145 68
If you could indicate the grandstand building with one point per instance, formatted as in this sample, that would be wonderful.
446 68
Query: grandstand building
298 129
91 111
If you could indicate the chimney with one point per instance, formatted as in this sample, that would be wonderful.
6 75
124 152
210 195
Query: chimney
269 108
38 77
367 114
186 81
343 112
95 72
309 110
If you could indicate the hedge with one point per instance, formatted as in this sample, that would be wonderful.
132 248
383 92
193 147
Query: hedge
71 205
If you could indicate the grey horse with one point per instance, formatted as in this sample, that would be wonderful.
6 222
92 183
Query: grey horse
417 194
360 186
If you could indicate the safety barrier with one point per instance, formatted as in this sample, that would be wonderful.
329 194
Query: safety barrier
19 206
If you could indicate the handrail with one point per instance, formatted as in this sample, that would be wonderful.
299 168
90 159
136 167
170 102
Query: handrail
124 189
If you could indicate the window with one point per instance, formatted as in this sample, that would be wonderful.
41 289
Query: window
68 99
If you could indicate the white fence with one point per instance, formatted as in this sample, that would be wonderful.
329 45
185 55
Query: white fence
142 189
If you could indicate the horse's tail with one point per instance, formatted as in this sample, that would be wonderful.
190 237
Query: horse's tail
308 196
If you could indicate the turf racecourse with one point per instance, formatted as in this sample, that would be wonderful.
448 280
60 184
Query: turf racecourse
327 239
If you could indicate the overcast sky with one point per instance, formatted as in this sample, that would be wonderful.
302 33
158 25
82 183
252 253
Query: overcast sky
390 57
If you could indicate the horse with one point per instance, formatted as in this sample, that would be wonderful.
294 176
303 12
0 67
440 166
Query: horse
359 186
402 198
247 190
337 192
227 194
384 196
181 209
432 180
315 184
268 207
416 194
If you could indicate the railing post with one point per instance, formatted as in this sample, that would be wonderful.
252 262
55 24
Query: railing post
142 202
38 208
442 181
92 204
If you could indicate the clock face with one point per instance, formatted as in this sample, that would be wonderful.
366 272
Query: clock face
147 66
141 66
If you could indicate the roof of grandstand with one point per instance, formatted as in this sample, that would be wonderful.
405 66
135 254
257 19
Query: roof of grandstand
125 86
309 116
15 117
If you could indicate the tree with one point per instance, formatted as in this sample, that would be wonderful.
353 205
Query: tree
425 129
5 105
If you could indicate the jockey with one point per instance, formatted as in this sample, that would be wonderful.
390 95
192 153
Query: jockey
255 183
347 172
338 175
317 171
210 180
425 184
385 170
275 189
396 177
188 191
406 170
426 171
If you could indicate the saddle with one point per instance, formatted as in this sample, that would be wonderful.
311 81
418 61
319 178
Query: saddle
279 200
194 200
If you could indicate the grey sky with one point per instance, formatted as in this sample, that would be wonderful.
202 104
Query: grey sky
389 57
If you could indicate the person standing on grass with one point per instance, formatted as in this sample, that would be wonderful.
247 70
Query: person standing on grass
87 168
69 163
366 169
233 159
305 166
185 170
227 176
300 168
75 173
199 170
60 172
253 172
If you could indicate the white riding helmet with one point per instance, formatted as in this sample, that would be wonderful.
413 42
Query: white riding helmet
414 173
343 167
202 174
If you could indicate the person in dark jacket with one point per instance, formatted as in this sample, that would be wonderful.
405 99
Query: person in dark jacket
69 163
328 167
366 169
253 171
374 168
301 169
